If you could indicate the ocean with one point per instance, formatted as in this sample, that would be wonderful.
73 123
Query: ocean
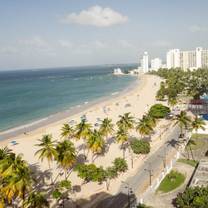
30 95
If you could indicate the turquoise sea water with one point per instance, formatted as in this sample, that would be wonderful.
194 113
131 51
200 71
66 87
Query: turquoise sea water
28 95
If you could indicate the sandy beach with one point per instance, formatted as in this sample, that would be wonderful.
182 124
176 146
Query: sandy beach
136 100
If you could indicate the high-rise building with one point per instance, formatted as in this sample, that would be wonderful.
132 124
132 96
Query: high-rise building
156 64
187 59
173 58
145 62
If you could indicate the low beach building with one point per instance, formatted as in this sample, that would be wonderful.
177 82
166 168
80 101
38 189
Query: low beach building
200 177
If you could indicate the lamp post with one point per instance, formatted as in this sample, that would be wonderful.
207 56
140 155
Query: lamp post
150 171
164 158
129 192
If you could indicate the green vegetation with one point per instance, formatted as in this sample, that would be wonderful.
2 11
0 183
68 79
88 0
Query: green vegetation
201 141
36 200
159 111
19 184
189 162
183 120
67 131
195 197
180 82
95 142
198 123
106 127
126 122
143 206
90 172
140 146
171 181
145 126
120 165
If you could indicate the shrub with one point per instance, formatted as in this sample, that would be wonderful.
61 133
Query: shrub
56 194
143 206
120 164
159 111
140 146
91 172
111 172
195 197
65 184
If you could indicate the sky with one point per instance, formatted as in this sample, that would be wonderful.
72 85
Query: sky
53 33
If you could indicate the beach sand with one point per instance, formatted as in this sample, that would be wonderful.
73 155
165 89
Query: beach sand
139 99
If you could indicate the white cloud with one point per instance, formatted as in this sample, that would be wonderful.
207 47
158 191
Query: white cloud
198 28
96 16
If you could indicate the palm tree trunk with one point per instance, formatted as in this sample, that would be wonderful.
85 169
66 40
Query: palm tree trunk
51 177
84 149
132 162
181 129
65 174
23 198
188 154
107 182
192 155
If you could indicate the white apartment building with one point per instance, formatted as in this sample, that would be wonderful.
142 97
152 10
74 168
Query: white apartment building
156 63
187 59
145 62
173 58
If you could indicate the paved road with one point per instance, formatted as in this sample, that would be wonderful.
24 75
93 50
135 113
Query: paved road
141 180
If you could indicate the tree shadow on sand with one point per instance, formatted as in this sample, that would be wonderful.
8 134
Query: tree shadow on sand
40 177
105 200
110 141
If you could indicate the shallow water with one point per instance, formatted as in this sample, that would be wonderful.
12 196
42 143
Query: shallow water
28 95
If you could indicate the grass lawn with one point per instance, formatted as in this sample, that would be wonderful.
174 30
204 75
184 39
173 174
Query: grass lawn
171 181
201 140
189 162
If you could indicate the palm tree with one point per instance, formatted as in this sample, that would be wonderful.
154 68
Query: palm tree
67 131
126 122
95 142
10 164
183 121
151 120
65 155
122 137
17 179
48 150
191 143
4 152
36 200
106 127
83 130
197 124
145 126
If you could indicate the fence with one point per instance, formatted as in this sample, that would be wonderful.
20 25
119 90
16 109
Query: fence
159 177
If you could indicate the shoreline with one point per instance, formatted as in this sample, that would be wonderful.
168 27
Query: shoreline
137 100
25 129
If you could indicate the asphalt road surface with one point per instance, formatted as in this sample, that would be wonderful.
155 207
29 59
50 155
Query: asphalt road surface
153 165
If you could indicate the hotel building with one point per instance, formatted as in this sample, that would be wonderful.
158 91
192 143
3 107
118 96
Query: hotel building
145 62
156 64
187 59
